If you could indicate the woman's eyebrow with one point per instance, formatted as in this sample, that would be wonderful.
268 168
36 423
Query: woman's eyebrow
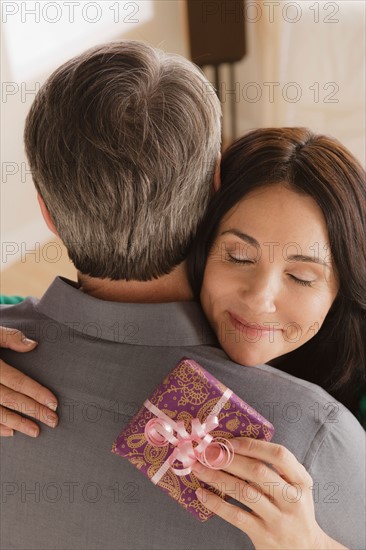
291 258
311 259
242 236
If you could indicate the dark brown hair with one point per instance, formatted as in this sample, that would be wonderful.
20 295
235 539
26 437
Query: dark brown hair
322 168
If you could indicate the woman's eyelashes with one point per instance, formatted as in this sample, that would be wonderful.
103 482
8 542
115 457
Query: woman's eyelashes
300 281
239 260
244 261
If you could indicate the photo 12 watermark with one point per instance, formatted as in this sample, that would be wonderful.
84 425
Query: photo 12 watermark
251 492
275 91
69 491
24 91
70 332
268 11
70 12
15 172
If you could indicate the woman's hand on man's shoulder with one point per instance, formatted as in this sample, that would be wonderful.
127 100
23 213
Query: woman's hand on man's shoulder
20 395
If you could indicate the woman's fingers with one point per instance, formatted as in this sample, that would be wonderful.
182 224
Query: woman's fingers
246 521
22 404
250 494
283 519
16 380
5 431
16 340
285 463
11 420
20 395
250 479
264 479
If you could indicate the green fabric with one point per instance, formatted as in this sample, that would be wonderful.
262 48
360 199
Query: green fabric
361 415
10 299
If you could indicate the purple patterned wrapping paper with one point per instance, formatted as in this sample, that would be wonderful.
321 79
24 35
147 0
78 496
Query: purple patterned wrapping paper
188 392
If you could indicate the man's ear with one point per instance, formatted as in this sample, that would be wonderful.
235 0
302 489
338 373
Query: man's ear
217 178
46 215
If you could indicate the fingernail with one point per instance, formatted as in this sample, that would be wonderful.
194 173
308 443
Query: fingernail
200 493
9 433
28 341
33 432
52 422
52 406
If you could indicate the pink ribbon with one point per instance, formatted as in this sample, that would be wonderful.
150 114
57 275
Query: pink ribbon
159 432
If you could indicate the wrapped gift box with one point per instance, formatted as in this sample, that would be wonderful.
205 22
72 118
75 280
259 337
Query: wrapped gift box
162 430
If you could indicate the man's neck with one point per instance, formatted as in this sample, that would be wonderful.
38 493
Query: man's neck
168 288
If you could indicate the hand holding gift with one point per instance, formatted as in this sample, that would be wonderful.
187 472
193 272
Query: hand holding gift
190 416
281 500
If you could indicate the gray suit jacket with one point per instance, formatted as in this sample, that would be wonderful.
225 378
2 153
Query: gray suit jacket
66 490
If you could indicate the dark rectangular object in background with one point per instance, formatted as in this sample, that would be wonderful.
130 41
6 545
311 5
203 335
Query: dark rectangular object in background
216 31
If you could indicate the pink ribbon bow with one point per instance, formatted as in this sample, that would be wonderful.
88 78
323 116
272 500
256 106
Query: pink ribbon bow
159 432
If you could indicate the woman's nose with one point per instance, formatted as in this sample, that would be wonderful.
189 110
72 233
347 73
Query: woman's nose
261 296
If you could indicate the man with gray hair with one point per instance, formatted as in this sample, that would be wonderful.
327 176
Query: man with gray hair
123 142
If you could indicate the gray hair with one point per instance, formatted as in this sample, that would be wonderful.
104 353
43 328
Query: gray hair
122 142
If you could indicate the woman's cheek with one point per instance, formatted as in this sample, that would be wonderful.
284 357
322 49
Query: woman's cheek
214 294
308 320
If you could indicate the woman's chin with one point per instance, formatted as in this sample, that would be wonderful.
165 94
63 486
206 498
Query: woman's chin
248 359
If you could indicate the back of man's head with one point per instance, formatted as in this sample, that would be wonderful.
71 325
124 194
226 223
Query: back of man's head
122 142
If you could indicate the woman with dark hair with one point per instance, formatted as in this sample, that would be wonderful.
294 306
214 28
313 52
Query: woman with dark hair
279 262
279 267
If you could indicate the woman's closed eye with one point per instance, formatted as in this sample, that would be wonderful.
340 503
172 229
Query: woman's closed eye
239 260
244 261
302 282
235 260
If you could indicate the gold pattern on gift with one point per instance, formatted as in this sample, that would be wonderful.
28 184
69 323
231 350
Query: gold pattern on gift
267 432
232 424
155 455
137 461
252 430
136 440
194 394
185 373
209 407
195 387
221 386
187 419
190 481
203 512
194 391
169 481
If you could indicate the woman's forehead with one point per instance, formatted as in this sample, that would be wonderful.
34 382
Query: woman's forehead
277 214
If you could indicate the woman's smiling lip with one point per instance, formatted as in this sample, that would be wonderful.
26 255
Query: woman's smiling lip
252 325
